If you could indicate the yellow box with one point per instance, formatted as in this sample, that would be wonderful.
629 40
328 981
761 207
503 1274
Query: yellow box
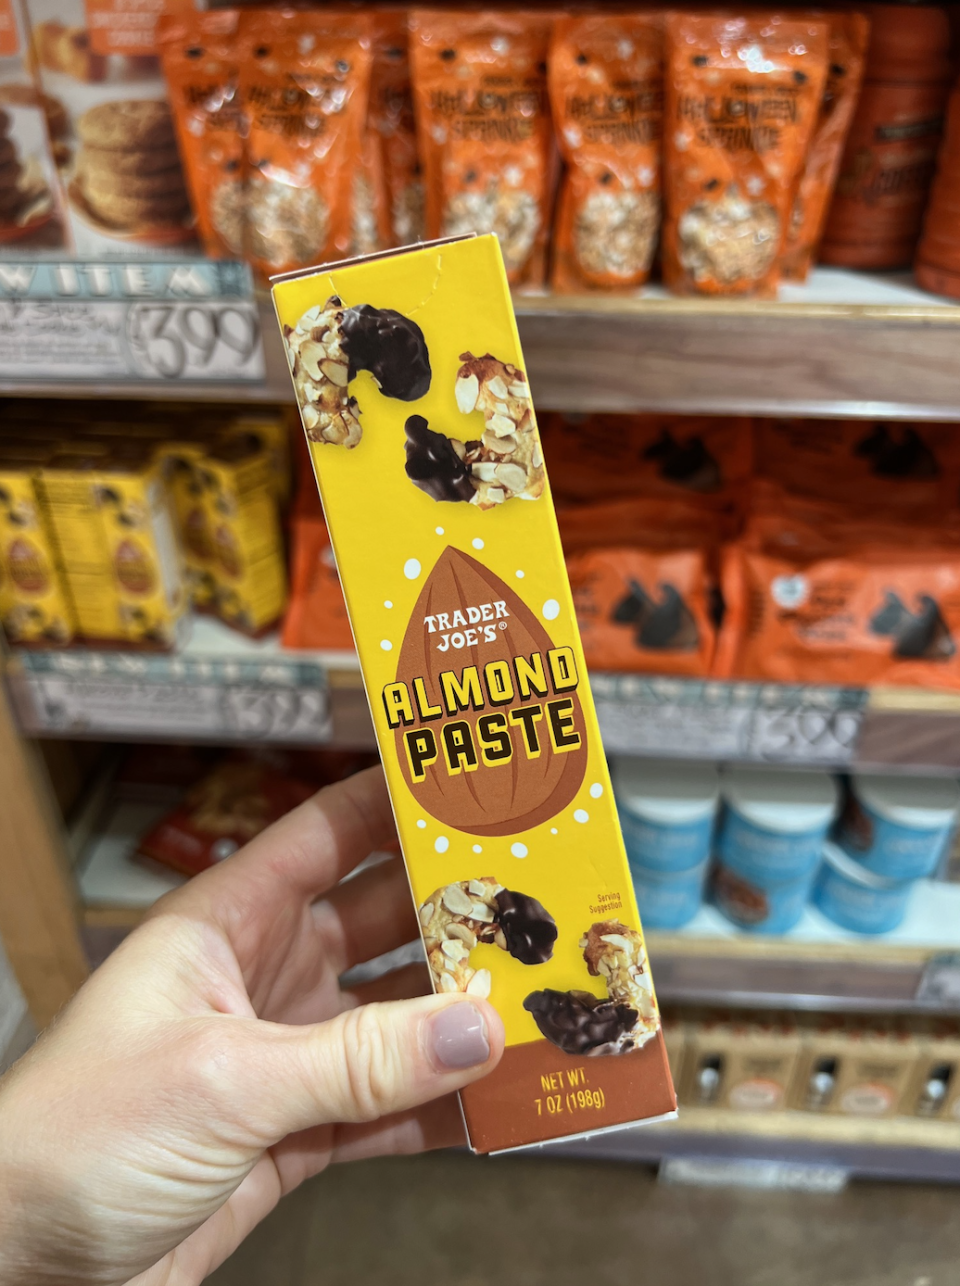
459 602
244 529
34 607
111 520
180 461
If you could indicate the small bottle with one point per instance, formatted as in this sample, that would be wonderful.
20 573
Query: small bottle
709 1075
822 1082
934 1093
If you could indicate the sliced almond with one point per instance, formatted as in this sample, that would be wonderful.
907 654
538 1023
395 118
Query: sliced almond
336 372
536 456
501 408
459 930
512 476
454 949
477 888
291 356
458 447
499 446
495 495
467 391
500 939
518 390
448 982
501 425
310 416
426 913
456 901
496 388
311 356
480 911
479 985
617 940
484 470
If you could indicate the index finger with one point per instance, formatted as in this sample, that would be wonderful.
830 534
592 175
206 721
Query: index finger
303 855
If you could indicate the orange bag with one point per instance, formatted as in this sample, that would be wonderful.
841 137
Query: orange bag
937 266
391 117
316 614
876 614
888 163
847 48
860 463
648 522
198 52
594 457
304 81
742 95
606 90
483 123
644 610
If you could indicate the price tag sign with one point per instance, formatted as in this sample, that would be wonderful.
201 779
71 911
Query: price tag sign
119 695
804 735
939 985
189 320
749 722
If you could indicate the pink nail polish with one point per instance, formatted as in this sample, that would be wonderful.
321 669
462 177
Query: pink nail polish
457 1037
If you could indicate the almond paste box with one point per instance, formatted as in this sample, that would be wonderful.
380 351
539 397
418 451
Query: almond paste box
412 388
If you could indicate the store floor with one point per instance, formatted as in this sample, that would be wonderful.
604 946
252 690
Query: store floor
458 1221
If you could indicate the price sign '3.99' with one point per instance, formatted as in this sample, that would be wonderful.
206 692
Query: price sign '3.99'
202 340
186 320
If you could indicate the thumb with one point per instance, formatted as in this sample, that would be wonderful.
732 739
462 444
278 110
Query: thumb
373 1061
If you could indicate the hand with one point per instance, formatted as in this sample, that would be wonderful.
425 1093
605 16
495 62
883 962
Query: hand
214 1063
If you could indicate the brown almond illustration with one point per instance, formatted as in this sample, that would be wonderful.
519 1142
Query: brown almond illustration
133 568
537 781
28 567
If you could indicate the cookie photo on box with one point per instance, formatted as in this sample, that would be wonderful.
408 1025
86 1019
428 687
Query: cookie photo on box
113 130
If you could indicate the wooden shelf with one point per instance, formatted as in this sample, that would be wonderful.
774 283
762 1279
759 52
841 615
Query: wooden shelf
893 1148
844 344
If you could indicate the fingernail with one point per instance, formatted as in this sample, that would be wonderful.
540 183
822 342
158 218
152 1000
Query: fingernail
458 1037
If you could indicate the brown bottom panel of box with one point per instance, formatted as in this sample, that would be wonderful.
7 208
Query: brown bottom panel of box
538 1093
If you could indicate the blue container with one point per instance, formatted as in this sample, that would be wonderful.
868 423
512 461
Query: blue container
898 827
667 810
774 824
855 898
773 908
669 899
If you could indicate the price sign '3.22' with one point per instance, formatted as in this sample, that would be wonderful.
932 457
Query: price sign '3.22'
208 339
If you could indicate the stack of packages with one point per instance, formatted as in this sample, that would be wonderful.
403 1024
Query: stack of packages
111 528
296 132
888 162
644 503
848 570
937 266
290 137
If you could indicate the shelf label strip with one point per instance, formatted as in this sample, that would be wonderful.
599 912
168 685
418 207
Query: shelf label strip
186 320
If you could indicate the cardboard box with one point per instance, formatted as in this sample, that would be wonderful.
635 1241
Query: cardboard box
935 1090
239 490
114 136
408 371
109 515
34 607
854 1066
744 1062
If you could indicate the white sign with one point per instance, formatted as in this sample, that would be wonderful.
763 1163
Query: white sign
118 707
